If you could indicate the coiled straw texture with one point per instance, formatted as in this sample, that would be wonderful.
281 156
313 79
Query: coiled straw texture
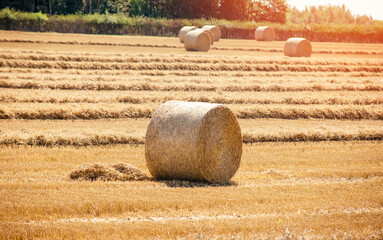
197 40
193 141
298 47
264 33
183 32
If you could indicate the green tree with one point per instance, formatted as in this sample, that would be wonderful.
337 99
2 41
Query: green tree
327 14
268 11
67 6
205 8
234 9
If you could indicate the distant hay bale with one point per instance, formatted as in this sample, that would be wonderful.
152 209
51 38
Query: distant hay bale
193 141
215 30
183 32
211 35
264 33
298 47
197 40
117 172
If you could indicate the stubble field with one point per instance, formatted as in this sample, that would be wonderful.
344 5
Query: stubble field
312 164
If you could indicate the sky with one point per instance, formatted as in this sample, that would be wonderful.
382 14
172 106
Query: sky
372 8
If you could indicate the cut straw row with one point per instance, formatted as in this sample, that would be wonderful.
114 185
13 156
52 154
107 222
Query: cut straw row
145 97
147 86
185 66
183 73
116 111
16 138
65 57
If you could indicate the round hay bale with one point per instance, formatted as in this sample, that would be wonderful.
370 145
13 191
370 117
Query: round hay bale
183 32
264 33
193 141
215 30
211 35
197 40
298 47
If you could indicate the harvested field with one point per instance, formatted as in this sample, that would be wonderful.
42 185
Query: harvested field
312 163
132 131
273 194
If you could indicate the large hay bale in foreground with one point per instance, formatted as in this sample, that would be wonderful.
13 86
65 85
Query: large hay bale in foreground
183 32
215 30
197 40
264 33
298 47
193 141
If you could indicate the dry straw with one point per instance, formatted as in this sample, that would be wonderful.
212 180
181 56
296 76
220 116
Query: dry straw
264 33
215 30
183 32
193 141
211 36
116 172
298 47
197 40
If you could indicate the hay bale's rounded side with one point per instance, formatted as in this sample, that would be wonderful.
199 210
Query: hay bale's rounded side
264 33
211 35
193 141
215 30
197 40
298 47
183 32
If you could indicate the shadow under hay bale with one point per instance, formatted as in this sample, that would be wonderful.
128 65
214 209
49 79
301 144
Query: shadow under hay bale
116 172
191 184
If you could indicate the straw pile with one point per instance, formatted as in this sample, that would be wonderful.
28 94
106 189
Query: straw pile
197 40
264 33
298 47
116 172
193 141
215 30
183 32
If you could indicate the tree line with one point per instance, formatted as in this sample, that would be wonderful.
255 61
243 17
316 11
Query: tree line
327 14
245 10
